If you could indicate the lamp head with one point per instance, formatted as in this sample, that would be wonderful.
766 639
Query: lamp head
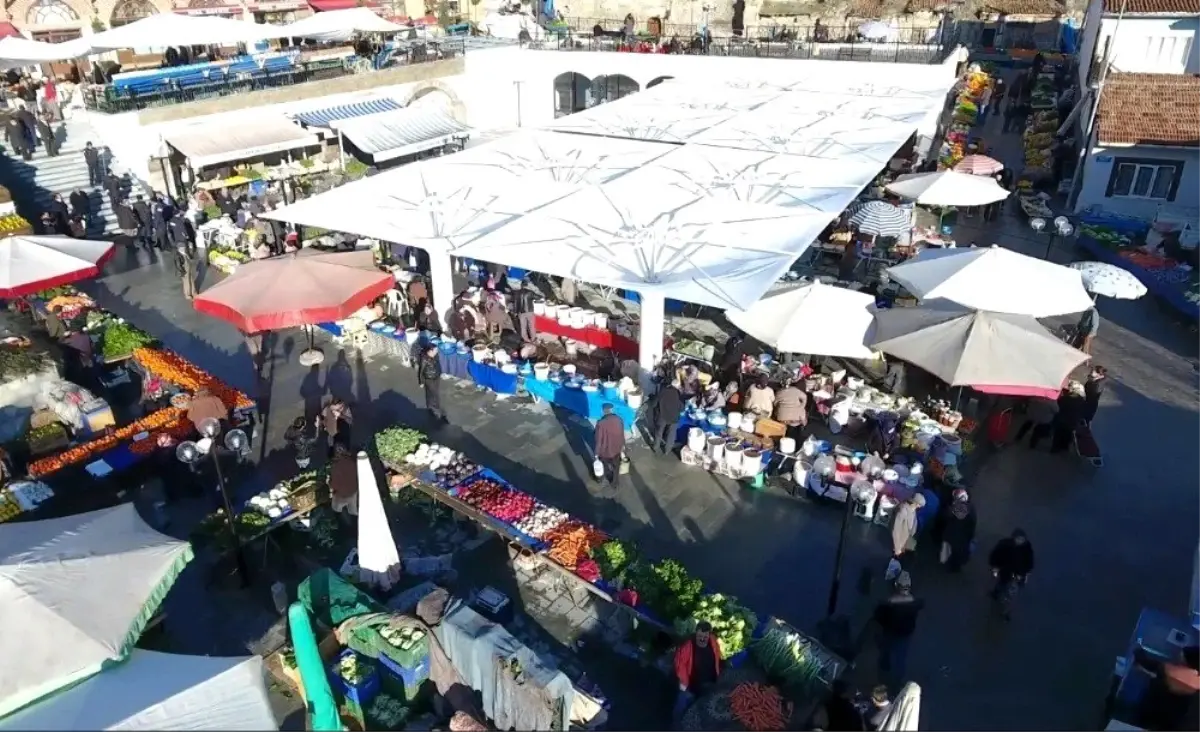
209 427
1066 229
1061 221
1037 224
237 441
187 452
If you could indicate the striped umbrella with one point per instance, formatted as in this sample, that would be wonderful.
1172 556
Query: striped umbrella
979 165
880 218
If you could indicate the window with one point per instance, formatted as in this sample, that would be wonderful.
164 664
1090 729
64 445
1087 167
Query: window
51 12
127 11
1138 178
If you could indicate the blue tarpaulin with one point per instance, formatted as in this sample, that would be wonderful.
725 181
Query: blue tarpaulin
322 117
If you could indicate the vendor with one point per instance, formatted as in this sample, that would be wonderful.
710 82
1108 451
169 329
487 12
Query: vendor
343 482
712 398
791 408
689 382
884 438
697 665
206 405
760 397
337 422
731 359
418 294
427 319
494 313
462 324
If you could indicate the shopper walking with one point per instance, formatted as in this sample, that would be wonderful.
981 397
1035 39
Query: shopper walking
1093 388
896 618
904 526
958 532
429 375
92 157
1011 561
45 128
1039 421
338 423
609 444
664 417
185 268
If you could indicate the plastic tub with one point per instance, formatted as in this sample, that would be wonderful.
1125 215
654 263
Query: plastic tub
601 320
541 371
695 439
752 462
716 447
539 307
634 399
734 420
362 693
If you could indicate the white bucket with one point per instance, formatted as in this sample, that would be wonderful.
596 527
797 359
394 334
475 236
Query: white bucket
569 369
601 320
716 448
572 348
586 318
787 445
695 440
733 460
479 353
734 421
411 335
541 371
634 399
576 316
748 423
752 463
539 307
800 472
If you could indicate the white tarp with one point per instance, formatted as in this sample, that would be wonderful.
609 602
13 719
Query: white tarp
16 51
427 203
995 279
674 243
159 691
814 319
378 558
75 593
205 145
408 131
337 25
765 178
172 29
635 121
948 188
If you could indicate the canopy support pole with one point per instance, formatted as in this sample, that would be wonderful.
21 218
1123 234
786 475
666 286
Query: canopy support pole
341 151
653 329
441 275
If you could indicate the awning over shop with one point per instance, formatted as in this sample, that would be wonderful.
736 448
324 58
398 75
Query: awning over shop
340 25
323 117
326 5
204 145
403 132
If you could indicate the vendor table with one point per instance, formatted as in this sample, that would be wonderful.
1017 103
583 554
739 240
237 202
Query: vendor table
591 335
589 404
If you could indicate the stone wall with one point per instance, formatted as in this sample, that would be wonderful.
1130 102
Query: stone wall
308 90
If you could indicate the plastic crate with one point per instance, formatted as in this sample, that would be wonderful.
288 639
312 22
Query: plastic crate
409 676
412 658
365 691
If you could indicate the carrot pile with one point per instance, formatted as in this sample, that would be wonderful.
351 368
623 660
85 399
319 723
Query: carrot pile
572 541
757 707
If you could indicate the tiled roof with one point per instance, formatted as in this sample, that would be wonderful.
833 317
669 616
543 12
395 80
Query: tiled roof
1164 7
865 9
1025 7
1150 109
928 6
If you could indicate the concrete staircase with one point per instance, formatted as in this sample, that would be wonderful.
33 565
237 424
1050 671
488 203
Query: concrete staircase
37 180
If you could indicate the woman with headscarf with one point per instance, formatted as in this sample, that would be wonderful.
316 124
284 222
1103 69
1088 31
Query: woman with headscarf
337 422
689 383
298 438
958 532
760 397
1012 562
791 408
495 314
884 438
712 398
904 526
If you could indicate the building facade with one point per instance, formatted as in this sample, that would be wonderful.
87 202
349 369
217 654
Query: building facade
64 20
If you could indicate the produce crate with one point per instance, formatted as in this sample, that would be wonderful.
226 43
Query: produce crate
362 693
410 677
413 658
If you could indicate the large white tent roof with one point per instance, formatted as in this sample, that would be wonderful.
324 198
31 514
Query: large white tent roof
702 192
338 25
172 29
159 691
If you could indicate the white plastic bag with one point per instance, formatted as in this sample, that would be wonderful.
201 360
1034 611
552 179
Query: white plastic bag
597 468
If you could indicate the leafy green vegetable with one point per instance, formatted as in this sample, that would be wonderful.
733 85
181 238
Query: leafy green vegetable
396 443
666 587
732 623
787 657
45 433
120 339
17 362
613 557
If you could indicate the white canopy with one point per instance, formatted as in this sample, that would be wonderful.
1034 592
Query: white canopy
640 121
428 203
338 25
17 51
28 262
995 279
814 319
159 691
948 188
264 134
172 29
75 593
408 131
674 243
378 558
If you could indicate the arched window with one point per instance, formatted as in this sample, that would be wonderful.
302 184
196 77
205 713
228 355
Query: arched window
659 80
51 12
611 88
570 93
128 11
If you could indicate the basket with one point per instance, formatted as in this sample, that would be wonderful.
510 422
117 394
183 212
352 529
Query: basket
305 500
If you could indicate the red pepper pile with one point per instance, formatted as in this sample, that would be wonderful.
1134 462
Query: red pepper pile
497 500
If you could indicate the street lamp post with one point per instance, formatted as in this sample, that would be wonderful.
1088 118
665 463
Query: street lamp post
1062 227
191 453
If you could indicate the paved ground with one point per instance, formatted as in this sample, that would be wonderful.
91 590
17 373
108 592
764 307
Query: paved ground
1108 541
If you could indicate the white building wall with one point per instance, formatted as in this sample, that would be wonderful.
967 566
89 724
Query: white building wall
1101 165
1152 45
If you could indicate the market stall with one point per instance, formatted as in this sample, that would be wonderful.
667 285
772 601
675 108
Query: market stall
958 143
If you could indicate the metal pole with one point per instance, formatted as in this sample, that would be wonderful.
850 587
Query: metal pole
341 151
835 586
233 532
518 84
1049 246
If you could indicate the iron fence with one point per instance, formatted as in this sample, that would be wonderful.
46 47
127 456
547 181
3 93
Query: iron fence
843 32
109 99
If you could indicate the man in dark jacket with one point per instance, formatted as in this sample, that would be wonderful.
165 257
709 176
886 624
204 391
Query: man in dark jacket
526 323
92 157
116 191
429 375
185 268
610 443
17 140
61 213
141 212
664 417
81 205
46 133
158 226
1012 562
897 620
28 126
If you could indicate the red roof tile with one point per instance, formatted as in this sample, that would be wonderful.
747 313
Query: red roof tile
1150 109
1151 7
1025 7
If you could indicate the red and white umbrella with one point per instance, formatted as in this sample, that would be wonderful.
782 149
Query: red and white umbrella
979 165
30 264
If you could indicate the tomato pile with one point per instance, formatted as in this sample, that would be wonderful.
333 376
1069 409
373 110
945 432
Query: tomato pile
170 420
176 369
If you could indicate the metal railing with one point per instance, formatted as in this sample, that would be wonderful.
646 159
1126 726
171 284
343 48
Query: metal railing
896 52
845 32
108 99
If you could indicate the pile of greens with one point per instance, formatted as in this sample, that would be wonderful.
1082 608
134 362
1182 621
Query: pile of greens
665 587
787 657
46 433
396 443
613 557
731 622
17 362
120 340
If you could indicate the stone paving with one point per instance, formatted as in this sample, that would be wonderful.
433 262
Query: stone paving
1109 541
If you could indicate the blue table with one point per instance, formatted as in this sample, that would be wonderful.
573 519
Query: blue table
491 377
589 404
454 363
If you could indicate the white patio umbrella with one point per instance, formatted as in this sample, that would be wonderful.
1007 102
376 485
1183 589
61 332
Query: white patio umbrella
948 188
378 558
337 25
1109 280
994 279
904 715
172 29
815 319
75 594
995 353
30 264
159 691
880 218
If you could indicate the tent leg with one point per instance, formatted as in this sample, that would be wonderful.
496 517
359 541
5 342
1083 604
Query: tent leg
441 274
650 345
341 151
